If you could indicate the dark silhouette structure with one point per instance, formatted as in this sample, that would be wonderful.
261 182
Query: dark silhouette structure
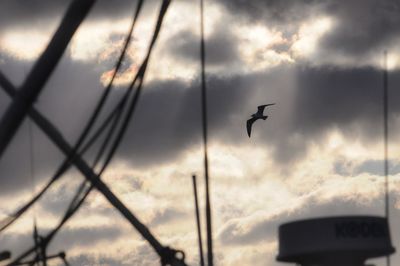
333 241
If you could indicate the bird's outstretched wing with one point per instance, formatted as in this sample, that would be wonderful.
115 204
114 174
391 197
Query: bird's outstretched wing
249 124
260 109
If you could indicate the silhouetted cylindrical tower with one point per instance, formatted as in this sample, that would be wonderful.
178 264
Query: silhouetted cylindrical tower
334 241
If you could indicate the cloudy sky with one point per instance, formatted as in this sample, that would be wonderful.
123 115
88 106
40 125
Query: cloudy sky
318 154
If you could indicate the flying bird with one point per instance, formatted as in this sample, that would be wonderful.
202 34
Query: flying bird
256 116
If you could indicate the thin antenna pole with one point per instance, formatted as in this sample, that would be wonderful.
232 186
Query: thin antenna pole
196 204
32 164
386 134
36 241
385 138
204 120
33 184
43 250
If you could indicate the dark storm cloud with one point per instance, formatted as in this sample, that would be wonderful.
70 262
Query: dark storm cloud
33 12
168 118
15 164
329 98
36 13
167 121
67 101
221 47
272 12
310 102
364 26
333 97
361 27
233 99
315 102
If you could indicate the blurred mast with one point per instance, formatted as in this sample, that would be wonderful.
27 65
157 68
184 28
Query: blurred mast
204 120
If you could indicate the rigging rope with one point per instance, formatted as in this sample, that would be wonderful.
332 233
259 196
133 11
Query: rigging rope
139 76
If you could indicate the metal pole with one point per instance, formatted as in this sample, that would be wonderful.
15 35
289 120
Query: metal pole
385 138
205 131
196 204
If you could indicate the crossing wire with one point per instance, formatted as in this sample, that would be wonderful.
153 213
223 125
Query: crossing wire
67 163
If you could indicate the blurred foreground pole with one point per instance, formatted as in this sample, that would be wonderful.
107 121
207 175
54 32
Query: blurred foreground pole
41 71
5 255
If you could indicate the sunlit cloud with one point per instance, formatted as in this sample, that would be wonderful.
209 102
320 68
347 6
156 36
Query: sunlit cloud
393 61
306 40
91 40
103 42
24 45
122 78
256 45
165 67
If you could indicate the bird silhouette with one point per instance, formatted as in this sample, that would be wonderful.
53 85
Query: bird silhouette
256 116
